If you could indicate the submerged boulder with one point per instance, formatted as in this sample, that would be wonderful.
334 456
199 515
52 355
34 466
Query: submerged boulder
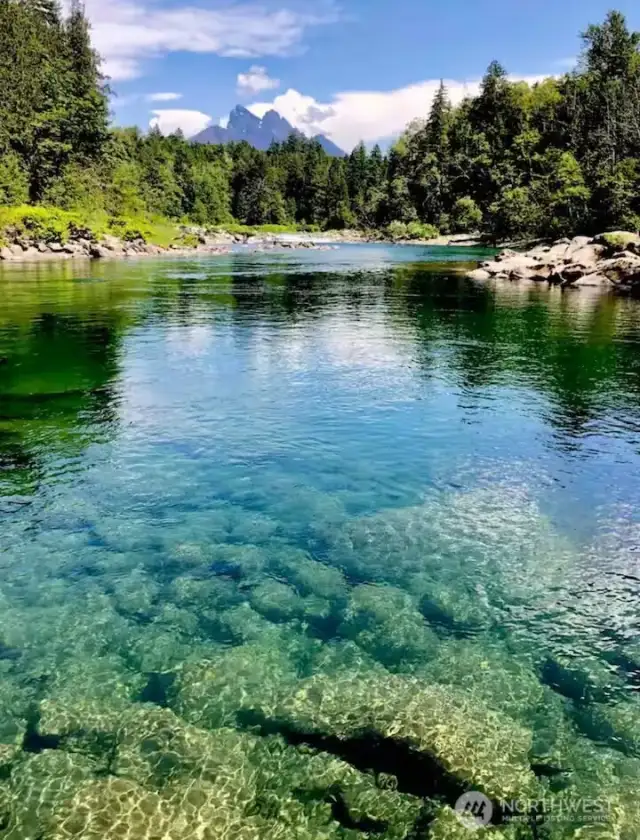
467 741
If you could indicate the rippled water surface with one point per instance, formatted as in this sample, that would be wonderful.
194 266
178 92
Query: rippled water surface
309 544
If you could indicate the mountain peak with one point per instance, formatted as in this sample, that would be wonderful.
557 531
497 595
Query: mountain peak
259 133
242 113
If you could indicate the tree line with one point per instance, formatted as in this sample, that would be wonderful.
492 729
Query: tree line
517 160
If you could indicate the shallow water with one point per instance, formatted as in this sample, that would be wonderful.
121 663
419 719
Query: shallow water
308 544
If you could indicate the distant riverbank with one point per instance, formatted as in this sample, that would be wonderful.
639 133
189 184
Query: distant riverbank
34 234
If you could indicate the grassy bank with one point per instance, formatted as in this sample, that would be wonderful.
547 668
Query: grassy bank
52 224
31 224
28 223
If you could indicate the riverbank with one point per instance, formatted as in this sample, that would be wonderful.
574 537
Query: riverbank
609 261
113 247
31 249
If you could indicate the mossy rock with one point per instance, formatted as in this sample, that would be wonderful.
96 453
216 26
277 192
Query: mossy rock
16 703
277 602
592 773
619 240
497 535
450 606
104 679
200 594
244 624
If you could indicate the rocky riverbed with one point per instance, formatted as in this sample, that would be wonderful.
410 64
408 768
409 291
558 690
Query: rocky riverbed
609 261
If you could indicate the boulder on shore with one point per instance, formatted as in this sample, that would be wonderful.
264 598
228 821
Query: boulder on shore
609 261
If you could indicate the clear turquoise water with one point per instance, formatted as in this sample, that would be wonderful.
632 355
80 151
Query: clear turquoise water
352 531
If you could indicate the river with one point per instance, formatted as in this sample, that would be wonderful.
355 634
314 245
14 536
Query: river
309 544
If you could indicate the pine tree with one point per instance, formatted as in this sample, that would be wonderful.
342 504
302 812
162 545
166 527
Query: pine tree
338 210
357 167
88 108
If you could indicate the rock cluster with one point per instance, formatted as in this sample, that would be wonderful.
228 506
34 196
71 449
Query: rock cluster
609 261
271 243
112 246
107 248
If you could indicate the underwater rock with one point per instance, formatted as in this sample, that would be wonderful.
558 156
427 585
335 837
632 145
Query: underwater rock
119 809
204 593
16 705
244 625
617 725
310 577
581 680
163 772
211 693
599 799
385 623
449 825
277 602
280 603
496 537
136 594
490 675
9 654
451 606
330 790
38 783
157 749
472 743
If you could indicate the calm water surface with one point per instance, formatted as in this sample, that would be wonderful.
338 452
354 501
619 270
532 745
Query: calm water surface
309 544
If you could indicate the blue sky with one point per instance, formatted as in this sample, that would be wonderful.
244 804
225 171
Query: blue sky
352 69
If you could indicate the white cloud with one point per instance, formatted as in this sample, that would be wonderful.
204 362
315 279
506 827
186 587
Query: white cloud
128 32
163 97
169 120
256 80
365 115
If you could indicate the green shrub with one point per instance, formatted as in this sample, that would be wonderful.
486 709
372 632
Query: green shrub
36 224
466 216
514 215
188 240
130 230
418 230
414 230
397 230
